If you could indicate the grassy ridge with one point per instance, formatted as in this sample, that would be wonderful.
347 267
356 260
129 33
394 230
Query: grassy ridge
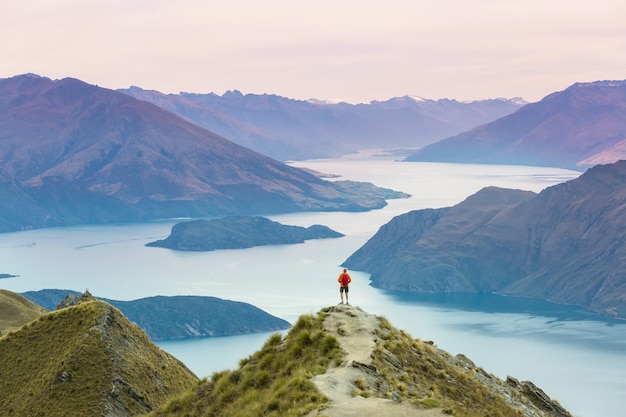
431 377
275 381
86 360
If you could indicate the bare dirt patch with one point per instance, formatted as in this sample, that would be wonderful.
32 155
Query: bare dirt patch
356 332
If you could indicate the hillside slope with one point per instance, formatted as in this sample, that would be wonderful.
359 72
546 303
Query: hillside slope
87 360
16 310
565 244
577 128
74 153
346 362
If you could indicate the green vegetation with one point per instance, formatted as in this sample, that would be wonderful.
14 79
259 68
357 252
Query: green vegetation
86 360
89 360
429 377
275 381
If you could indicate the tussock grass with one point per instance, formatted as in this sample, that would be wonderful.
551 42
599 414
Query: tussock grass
16 310
274 381
86 360
429 377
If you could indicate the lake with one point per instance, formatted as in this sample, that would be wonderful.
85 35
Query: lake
575 357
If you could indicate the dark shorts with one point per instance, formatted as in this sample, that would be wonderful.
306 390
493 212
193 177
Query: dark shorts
343 289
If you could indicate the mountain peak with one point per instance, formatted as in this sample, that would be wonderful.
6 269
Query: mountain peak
84 154
574 129
232 94
601 83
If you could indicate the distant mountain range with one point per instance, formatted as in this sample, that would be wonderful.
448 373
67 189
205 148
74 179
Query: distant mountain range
577 128
74 153
565 244
238 232
288 129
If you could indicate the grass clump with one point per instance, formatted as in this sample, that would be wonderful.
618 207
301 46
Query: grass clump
274 381
428 377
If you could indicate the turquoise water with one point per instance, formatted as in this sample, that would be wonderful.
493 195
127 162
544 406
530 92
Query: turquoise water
573 356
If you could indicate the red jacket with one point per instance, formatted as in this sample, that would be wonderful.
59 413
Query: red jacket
344 279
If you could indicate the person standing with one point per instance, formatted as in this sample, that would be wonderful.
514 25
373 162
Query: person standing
344 281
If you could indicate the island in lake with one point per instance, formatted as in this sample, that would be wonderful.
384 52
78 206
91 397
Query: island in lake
8 276
171 317
238 232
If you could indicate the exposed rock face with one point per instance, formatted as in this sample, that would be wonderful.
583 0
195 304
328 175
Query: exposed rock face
72 300
538 397
238 232
565 244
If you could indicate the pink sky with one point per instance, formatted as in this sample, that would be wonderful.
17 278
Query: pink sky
351 50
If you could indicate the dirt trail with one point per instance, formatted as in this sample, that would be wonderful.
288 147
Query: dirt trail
355 331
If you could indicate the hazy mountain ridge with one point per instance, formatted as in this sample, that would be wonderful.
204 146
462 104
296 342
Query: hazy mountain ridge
238 232
288 129
564 244
178 317
577 128
75 153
